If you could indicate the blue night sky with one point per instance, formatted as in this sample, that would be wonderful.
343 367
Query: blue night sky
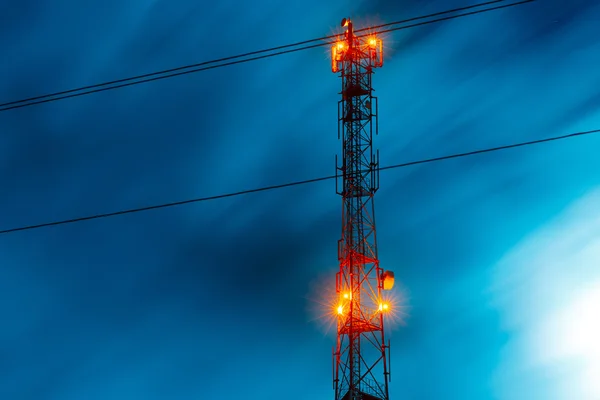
496 254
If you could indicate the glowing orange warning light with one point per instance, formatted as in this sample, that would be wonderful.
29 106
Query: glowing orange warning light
347 295
388 280
340 309
372 42
383 307
340 45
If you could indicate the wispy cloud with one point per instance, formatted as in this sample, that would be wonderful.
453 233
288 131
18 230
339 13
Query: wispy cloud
548 291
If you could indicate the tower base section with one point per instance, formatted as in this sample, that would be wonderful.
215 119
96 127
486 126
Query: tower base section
363 396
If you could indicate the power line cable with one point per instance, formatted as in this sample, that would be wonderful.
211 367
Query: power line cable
241 58
237 56
296 183
456 16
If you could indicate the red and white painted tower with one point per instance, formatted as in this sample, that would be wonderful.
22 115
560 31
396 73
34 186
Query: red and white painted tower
361 357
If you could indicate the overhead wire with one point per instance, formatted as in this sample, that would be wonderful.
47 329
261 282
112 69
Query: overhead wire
246 57
296 183
179 71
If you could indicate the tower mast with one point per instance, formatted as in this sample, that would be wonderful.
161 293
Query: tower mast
361 370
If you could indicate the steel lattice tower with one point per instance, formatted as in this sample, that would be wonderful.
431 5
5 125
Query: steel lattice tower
361 369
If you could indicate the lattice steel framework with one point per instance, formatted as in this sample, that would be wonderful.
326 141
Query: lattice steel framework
361 355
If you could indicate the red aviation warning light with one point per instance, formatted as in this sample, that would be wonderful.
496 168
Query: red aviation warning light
388 280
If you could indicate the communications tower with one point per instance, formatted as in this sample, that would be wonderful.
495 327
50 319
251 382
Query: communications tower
361 357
